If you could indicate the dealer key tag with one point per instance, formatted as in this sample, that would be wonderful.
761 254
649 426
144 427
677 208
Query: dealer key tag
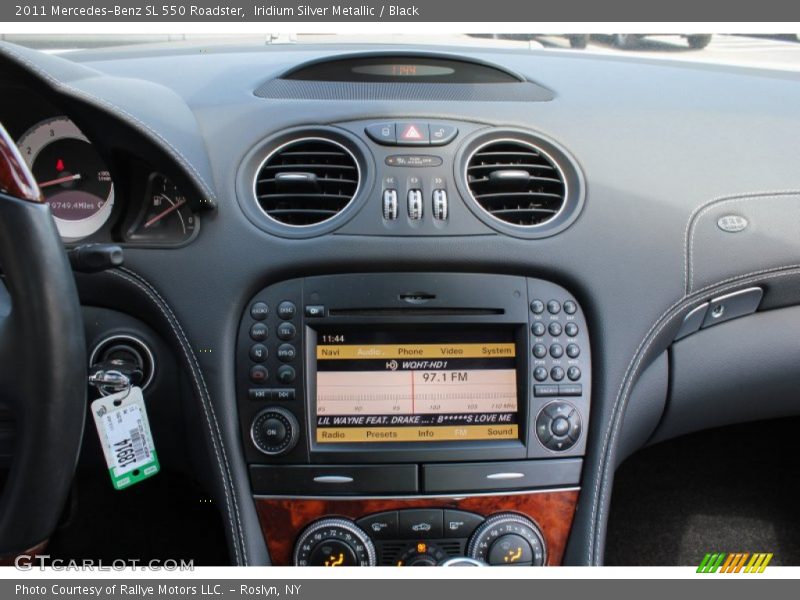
124 431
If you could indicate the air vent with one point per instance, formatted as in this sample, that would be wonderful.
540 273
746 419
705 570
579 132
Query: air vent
516 182
307 181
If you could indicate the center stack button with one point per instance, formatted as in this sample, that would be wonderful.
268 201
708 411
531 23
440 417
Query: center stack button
421 523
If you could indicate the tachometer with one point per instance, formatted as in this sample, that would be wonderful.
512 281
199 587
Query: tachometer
72 176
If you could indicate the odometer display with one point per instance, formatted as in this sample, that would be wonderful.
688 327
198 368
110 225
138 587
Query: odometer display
72 175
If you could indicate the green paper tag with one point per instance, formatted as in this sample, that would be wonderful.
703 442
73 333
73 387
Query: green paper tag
124 431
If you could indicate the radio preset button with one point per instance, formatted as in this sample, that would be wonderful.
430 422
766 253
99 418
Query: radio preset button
286 331
286 353
286 310
421 523
259 332
258 374
538 329
258 353
285 374
259 311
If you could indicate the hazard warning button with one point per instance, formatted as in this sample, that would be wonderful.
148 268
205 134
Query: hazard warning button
413 134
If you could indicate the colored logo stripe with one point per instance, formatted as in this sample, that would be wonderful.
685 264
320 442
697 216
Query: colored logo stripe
758 563
734 562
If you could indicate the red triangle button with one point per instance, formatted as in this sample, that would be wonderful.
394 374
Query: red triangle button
411 132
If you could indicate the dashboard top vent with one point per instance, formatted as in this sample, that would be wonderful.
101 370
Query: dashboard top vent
307 181
516 182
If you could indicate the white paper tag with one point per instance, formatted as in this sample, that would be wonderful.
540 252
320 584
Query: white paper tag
121 421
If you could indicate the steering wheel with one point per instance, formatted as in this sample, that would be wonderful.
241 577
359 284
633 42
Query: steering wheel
42 360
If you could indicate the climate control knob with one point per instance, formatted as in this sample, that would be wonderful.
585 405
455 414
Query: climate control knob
334 543
508 539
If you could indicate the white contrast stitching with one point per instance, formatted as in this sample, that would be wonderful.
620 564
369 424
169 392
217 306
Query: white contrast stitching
207 405
623 394
688 253
172 150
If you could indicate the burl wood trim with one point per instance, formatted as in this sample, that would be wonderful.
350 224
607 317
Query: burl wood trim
9 559
282 519
16 179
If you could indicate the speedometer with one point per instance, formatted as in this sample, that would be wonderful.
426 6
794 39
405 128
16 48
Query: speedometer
72 176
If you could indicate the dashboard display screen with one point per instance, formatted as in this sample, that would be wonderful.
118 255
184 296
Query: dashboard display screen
403 70
416 386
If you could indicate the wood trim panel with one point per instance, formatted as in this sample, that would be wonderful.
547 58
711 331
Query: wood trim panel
16 179
282 519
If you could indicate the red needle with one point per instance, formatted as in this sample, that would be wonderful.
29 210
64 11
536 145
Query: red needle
163 214
60 180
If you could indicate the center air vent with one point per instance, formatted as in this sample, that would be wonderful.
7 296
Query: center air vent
516 182
307 181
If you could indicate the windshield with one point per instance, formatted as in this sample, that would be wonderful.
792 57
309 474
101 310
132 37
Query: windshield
774 51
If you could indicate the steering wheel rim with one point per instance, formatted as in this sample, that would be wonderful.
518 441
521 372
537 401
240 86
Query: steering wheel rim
42 359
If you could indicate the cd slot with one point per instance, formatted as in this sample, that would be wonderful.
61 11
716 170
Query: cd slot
417 312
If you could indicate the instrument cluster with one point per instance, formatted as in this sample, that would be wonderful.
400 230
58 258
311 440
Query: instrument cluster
96 192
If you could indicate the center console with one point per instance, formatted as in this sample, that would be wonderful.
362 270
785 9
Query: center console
410 418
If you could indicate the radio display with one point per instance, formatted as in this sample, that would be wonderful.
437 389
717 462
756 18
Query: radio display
378 386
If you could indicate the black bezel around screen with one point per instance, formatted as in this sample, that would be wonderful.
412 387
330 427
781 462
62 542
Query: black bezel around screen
401 451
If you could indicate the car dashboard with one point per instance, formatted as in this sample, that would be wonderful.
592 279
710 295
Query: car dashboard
405 307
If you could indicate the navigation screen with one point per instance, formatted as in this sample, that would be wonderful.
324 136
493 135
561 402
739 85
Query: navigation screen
406 386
